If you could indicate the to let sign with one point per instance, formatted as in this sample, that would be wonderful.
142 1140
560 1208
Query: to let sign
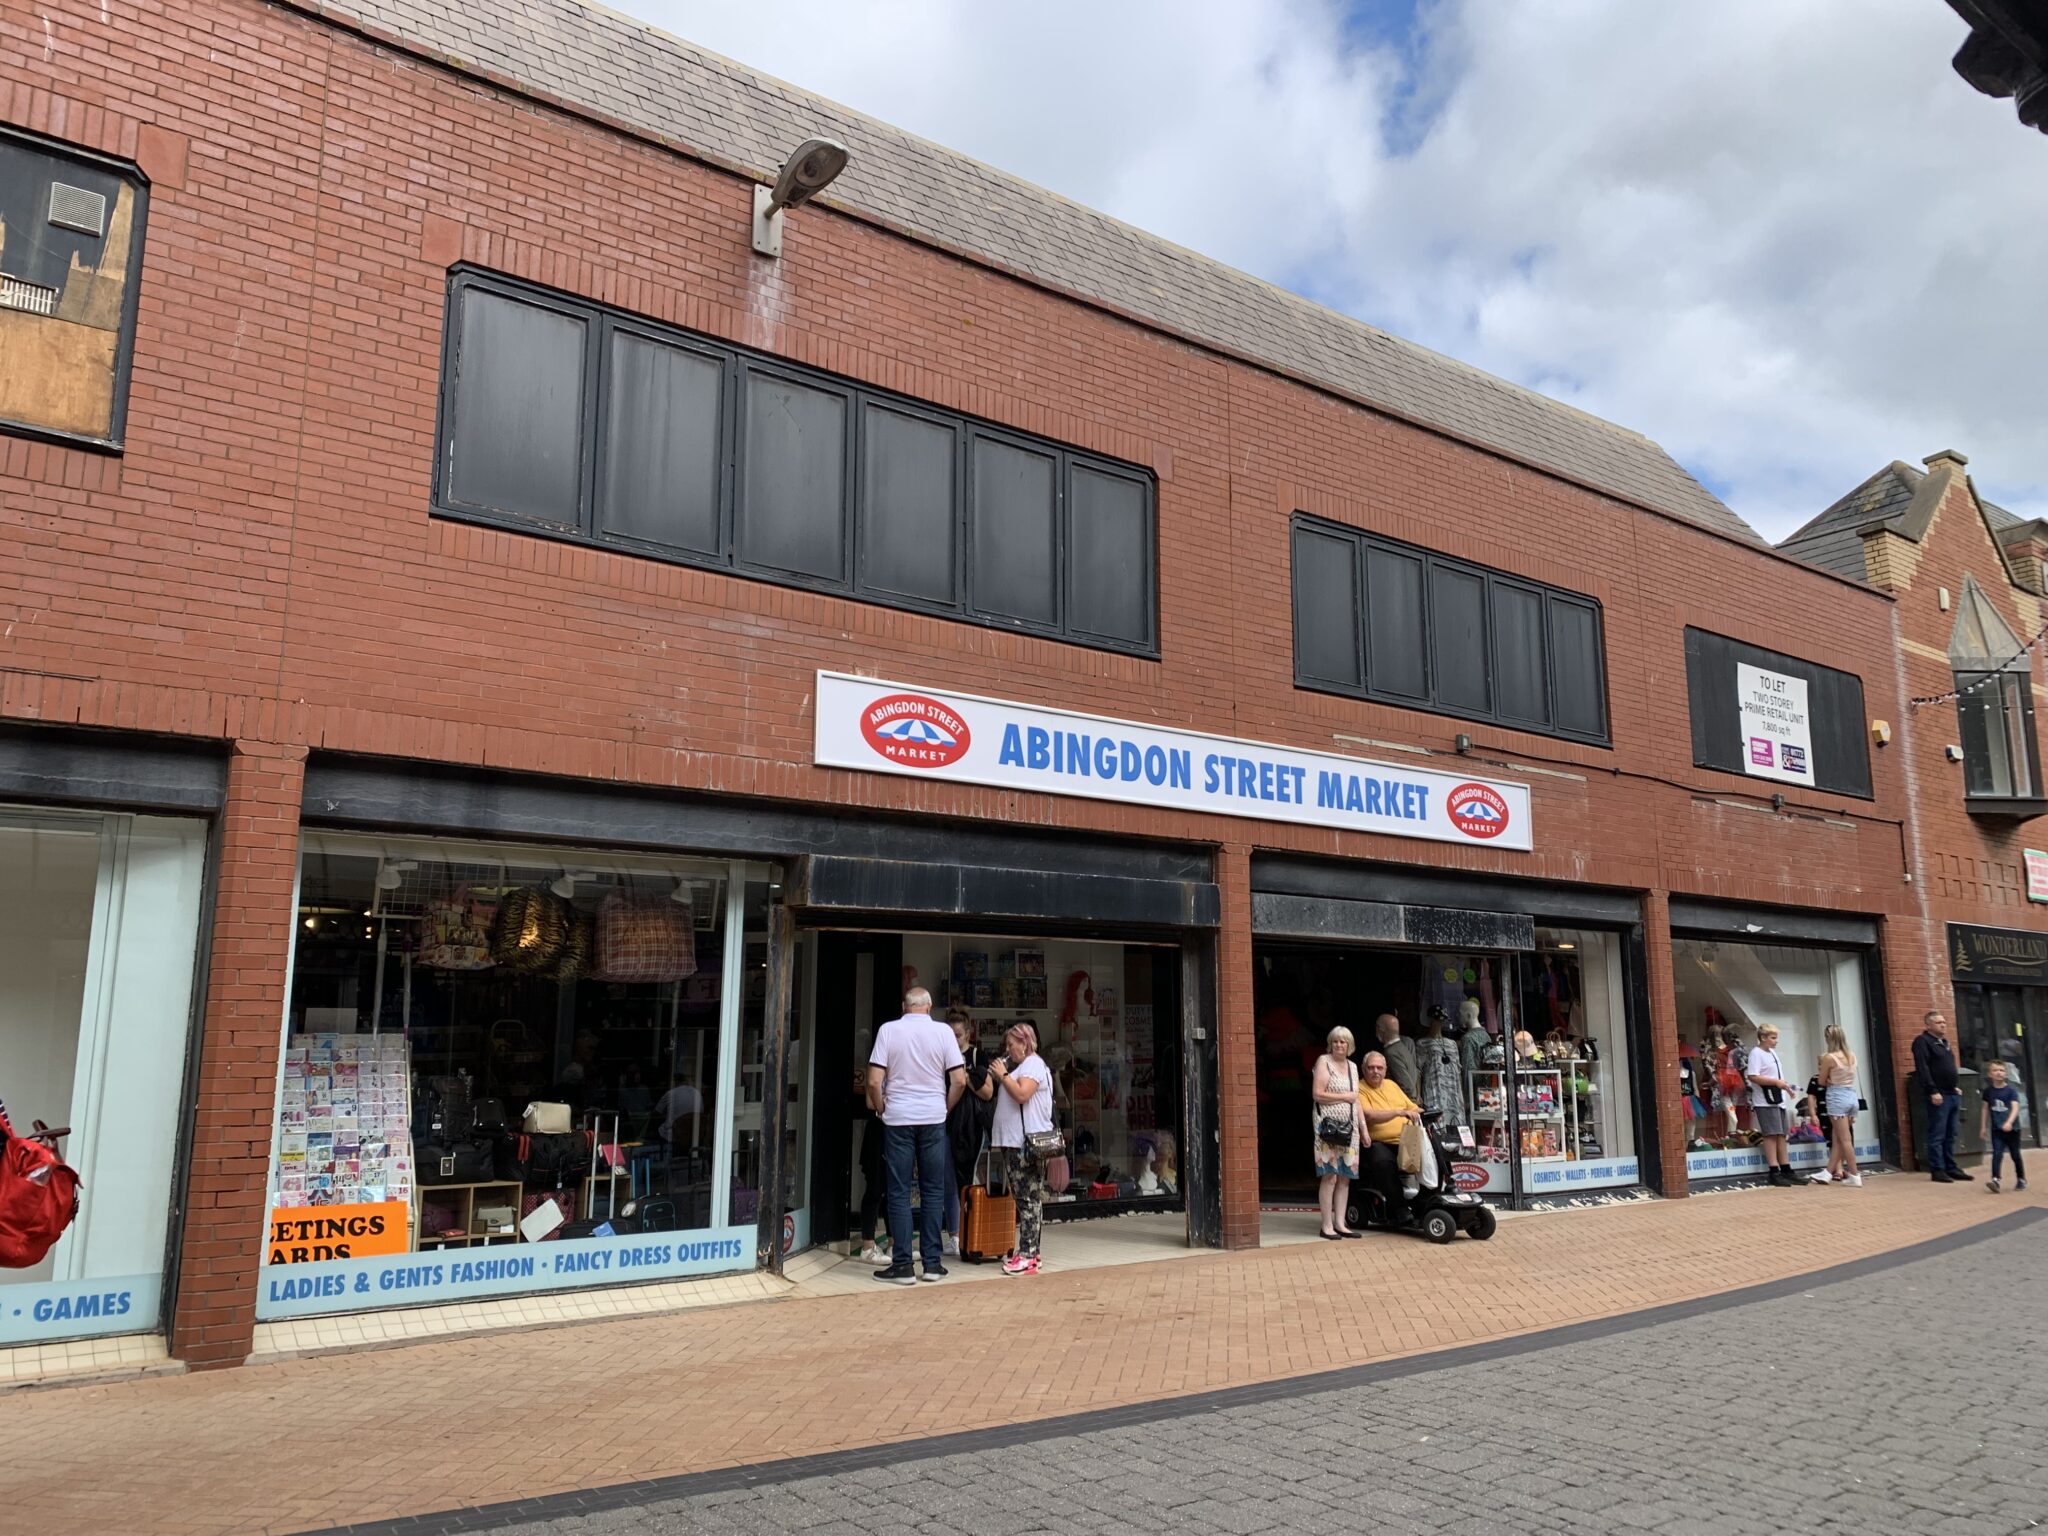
1777 736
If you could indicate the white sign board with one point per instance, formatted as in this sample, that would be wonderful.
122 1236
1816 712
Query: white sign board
1777 742
882 727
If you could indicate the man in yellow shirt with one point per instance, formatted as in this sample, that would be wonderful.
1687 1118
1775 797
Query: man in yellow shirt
1386 1110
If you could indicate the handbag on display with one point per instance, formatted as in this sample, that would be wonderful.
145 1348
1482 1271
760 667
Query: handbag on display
487 1117
531 929
543 1119
644 939
454 936
468 1161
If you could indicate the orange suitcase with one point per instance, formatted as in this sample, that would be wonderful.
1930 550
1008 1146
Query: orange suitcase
988 1224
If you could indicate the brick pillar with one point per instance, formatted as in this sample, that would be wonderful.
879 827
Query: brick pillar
214 1320
1670 1124
1914 953
1237 1102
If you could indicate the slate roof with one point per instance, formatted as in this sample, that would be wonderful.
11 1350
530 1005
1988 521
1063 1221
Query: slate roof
591 59
1832 540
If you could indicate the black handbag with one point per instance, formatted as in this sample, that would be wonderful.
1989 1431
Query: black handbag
1334 1129
487 1117
453 1162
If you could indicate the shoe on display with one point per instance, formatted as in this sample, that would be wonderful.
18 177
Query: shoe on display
1991 1188
1941 1176
1961 1177
1821 1176
897 1274
932 1272
1854 1180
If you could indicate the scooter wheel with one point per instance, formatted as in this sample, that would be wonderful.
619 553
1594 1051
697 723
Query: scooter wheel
1484 1223
1440 1226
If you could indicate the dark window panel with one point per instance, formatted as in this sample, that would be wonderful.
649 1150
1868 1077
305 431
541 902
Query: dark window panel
1110 556
1578 684
1987 769
1458 643
1834 704
1326 608
1396 640
793 510
1016 558
908 522
516 442
1520 667
661 445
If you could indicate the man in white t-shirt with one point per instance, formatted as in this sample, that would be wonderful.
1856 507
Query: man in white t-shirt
915 1075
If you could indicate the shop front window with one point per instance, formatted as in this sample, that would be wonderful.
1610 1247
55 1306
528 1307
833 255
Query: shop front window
1725 991
98 938
1576 1111
511 1070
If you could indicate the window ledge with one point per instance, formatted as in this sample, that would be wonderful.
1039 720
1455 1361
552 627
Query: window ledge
2006 808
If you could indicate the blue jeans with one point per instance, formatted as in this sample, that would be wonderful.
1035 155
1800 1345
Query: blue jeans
923 1155
1941 1132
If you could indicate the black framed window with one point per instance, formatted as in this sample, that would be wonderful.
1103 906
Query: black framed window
1836 724
571 420
71 240
2001 758
1383 620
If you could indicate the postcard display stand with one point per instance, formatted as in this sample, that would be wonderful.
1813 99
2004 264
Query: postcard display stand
345 1121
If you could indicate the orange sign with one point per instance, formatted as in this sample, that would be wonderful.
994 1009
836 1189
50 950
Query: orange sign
308 1234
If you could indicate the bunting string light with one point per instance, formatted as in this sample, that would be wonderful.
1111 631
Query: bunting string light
1970 688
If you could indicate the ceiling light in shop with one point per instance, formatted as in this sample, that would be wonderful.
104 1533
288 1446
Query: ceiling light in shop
1566 944
392 875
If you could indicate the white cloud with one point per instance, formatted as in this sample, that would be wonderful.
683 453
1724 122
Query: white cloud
1785 241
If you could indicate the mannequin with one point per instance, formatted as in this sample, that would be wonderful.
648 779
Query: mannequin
1437 1062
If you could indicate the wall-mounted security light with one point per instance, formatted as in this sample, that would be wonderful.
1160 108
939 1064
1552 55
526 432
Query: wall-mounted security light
813 166
1953 753
1881 732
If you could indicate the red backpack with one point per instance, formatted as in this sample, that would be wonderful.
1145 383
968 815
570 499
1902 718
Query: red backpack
38 1194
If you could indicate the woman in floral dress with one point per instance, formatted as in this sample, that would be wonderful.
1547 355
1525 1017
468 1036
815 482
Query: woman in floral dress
1336 1099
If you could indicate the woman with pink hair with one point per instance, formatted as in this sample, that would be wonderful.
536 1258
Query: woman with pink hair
1023 1105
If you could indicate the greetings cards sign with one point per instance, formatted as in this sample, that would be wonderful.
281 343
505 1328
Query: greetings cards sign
895 728
1777 737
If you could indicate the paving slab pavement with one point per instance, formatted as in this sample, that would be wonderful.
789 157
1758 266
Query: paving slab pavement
334 1440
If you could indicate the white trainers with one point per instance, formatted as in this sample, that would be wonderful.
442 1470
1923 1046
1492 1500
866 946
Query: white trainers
1821 1176
874 1253
1854 1181
951 1245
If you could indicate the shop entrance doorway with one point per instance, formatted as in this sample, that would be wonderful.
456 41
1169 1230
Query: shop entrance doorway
1564 1119
2008 1025
1108 1019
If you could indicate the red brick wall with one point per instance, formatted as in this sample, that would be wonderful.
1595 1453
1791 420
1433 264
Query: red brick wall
1968 870
261 563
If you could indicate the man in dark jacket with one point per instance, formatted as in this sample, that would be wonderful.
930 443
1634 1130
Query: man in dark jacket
1934 1065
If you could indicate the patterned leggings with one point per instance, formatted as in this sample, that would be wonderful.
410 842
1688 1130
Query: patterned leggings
1027 1184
